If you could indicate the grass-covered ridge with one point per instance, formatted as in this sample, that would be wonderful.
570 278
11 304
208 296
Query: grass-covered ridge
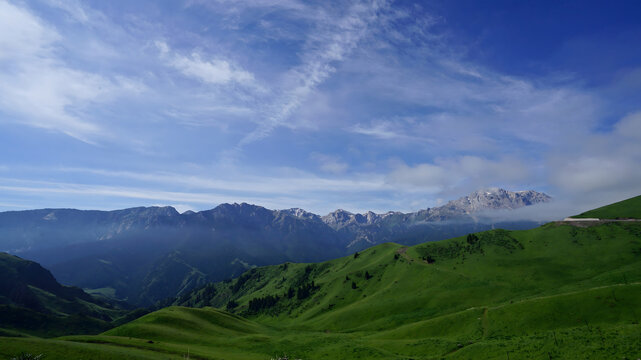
558 291
626 209
390 285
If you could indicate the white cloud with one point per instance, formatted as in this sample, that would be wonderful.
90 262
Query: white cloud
13 206
601 165
381 130
124 192
462 107
330 42
397 128
330 164
238 6
420 99
38 89
245 182
162 47
429 177
630 127
71 7
22 35
459 175
275 193
213 71
586 174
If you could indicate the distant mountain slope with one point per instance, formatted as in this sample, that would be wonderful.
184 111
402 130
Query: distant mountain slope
53 228
50 228
143 255
32 301
152 261
18 275
626 209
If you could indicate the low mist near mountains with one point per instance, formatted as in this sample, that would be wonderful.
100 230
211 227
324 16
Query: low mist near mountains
147 254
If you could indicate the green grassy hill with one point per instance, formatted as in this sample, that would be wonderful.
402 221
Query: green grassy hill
626 209
399 284
554 292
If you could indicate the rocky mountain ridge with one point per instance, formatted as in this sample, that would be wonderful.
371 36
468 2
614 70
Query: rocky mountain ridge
481 200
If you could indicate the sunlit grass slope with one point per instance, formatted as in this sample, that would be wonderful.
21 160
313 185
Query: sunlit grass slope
630 208
389 285
554 292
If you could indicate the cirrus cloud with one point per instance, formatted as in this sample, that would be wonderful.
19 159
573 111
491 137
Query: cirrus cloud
37 87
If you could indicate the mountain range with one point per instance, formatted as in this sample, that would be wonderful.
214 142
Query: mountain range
144 255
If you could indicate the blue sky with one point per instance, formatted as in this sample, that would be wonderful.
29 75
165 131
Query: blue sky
373 105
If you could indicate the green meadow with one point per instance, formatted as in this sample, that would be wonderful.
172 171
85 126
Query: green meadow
554 292
630 209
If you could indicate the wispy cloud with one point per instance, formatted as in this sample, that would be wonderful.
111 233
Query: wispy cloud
14 205
250 183
72 7
214 71
38 88
329 163
360 104
392 129
124 192
460 174
487 104
381 130
330 42
199 191
601 164
232 6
